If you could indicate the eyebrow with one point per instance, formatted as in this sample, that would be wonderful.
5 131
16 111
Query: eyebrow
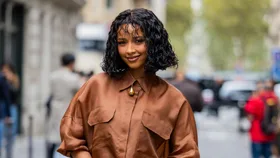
121 38
138 37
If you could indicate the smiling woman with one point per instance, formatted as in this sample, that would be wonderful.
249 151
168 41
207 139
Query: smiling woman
138 25
128 111
132 48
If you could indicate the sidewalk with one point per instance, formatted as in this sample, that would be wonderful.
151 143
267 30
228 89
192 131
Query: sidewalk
22 147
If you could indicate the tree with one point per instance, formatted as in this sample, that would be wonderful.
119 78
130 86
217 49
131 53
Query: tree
241 20
178 21
220 51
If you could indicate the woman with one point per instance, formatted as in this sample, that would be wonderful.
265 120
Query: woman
5 115
128 111
14 84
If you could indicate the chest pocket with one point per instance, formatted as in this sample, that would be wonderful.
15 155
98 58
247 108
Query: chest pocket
100 115
99 121
160 127
153 135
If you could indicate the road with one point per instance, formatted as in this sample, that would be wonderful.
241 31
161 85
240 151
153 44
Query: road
218 137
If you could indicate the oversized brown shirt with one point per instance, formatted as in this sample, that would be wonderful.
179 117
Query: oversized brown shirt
103 119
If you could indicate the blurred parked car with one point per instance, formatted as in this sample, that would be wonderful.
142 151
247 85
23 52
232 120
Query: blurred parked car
277 90
233 92
207 85
208 97
237 93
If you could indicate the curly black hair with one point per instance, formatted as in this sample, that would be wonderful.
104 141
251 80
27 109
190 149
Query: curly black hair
160 54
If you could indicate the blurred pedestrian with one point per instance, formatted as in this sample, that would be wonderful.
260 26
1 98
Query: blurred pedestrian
5 102
9 71
190 90
217 102
128 111
64 84
256 108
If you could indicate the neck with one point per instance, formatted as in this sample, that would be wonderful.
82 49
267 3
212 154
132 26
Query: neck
137 73
68 67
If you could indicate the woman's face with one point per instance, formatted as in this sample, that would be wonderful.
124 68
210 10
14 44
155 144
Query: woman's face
132 46
6 71
10 76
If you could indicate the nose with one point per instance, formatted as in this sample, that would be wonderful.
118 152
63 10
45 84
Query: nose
130 48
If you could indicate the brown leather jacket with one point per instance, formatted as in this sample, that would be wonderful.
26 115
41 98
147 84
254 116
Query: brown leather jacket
155 122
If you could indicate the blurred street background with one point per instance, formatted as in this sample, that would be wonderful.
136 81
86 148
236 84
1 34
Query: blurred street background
224 48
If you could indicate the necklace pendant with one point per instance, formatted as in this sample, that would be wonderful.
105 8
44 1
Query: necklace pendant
131 91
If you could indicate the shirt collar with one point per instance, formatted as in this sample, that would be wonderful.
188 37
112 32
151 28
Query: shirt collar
145 82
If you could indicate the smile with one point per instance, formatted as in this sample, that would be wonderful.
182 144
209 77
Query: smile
132 59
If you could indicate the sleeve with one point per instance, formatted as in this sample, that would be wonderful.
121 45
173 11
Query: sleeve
71 128
184 141
250 107
6 95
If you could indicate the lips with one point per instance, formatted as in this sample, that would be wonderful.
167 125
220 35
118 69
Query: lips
133 58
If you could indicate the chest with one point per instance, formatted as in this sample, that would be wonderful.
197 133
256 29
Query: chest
127 125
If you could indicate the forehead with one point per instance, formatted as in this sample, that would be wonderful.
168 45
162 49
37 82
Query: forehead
130 30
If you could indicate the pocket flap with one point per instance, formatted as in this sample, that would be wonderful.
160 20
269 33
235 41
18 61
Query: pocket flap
158 126
100 115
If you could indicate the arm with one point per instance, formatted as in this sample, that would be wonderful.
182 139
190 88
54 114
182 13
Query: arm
183 142
5 91
72 131
81 154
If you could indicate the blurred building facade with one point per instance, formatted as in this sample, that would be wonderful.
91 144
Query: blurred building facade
33 35
274 24
197 61
104 11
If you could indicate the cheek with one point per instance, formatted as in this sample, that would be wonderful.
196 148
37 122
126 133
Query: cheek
142 49
121 51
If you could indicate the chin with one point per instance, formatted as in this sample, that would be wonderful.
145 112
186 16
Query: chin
134 66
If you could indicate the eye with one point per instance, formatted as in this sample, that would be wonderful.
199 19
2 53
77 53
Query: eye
139 41
121 42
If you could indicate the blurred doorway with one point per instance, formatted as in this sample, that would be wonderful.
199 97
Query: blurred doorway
11 36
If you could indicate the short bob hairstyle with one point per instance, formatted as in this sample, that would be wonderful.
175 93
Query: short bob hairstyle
160 54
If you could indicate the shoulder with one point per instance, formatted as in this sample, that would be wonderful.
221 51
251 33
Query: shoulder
253 100
169 93
174 92
100 78
167 102
94 85
55 74
271 99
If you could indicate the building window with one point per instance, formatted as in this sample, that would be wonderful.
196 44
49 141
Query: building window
109 3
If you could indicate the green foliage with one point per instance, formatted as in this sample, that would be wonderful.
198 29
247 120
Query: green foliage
242 19
220 51
257 55
178 21
237 17
179 16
